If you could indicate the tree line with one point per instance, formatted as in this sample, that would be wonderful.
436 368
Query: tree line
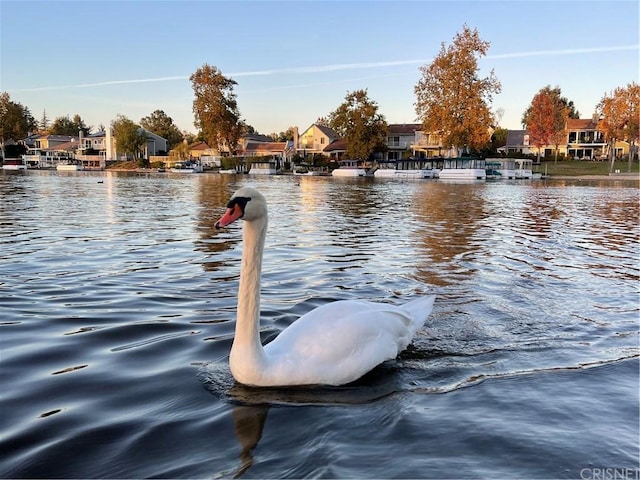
452 100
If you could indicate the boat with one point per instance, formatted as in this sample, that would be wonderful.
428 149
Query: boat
264 167
492 170
407 168
307 170
463 168
69 165
352 168
524 168
505 167
14 164
186 166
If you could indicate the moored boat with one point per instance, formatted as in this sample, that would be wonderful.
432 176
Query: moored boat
69 165
492 171
267 167
407 168
352 168
463 168
14 164
187 166
504 167
524 168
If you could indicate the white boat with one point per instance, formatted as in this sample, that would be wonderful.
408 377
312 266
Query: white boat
352 168
407 168
14 164
463 168
306 170
69 166
524 168
187 166
504 167
264 168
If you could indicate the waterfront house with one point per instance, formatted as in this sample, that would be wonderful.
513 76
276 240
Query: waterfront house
314 140
401 138
336 150
518 143
584 141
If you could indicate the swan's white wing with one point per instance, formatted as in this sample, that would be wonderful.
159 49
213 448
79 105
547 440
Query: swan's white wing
337 343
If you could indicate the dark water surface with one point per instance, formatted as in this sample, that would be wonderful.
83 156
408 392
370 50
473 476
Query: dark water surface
117 301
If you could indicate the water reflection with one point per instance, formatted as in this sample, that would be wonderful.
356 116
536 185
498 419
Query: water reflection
212 194
447 220
248 423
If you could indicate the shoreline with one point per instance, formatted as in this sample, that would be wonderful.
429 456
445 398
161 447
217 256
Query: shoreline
629 177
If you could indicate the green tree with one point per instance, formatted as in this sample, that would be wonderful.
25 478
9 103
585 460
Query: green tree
67 126
357 121
498 138
451 99
282 136
43 124
215 108
162 124
130 138
15 121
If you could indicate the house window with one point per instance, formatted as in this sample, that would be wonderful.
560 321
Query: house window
572 137
321 140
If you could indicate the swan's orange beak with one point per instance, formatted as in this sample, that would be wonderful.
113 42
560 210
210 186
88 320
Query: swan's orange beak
232 214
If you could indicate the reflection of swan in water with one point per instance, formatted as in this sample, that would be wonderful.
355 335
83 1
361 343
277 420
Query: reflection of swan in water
248 423
335 344
251 405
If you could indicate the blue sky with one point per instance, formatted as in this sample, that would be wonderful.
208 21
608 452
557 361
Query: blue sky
296 61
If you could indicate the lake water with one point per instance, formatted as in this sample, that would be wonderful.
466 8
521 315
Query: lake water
118 298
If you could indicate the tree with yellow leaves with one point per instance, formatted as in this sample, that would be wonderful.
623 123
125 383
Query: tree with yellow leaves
620 113
451 98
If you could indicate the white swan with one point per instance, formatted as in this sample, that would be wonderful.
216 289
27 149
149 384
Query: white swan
333 344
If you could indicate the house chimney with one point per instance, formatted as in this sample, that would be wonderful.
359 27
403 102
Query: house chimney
295 138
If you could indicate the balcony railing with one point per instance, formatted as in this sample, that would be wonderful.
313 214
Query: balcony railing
396 144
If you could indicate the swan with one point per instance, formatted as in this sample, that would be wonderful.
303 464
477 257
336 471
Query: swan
334 344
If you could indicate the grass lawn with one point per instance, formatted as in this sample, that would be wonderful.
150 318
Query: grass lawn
577 167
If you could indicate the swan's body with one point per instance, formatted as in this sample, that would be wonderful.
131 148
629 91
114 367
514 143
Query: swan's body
333 344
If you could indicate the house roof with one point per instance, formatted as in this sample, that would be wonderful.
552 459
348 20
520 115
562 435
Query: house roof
274 147
404 128
515 137
66 147
256 137
53 138
199 146
329 132
581 124
339 145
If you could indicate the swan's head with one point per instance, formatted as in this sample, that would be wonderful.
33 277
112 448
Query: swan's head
247 204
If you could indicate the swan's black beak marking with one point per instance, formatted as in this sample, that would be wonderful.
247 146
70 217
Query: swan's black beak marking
235 210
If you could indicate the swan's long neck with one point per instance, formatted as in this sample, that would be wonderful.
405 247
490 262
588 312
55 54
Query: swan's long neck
246 343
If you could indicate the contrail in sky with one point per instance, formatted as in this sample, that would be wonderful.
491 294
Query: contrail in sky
339 67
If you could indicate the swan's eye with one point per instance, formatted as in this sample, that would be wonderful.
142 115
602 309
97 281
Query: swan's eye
240 201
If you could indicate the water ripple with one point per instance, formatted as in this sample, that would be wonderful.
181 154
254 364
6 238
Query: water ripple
118 312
